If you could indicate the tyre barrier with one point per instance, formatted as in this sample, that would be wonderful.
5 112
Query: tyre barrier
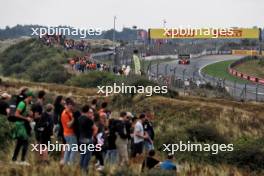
241 75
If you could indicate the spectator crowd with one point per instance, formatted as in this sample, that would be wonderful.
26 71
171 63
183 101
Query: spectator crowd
124 137
63 41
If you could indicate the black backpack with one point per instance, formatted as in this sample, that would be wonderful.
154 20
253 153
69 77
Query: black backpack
12 115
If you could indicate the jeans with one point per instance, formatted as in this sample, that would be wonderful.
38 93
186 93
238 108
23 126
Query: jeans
148 146
20 143
69 154
85 156
111 156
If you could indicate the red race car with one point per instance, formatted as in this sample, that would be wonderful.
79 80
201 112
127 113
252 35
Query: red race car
184 59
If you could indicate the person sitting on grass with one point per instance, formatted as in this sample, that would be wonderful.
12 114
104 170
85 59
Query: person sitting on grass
168 163
150 162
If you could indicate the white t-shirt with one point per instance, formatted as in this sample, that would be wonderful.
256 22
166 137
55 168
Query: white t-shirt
138 129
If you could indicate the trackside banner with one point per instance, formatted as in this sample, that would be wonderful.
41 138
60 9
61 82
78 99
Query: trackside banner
246 52
203 33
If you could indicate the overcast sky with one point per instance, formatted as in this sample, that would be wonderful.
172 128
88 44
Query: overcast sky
142 13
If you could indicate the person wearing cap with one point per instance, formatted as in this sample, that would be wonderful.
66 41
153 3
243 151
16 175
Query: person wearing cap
23 129
168 163
4 106
67 121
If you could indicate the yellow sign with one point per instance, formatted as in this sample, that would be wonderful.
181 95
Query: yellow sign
246 52
204 33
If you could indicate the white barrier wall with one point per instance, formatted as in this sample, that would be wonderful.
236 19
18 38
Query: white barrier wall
204 53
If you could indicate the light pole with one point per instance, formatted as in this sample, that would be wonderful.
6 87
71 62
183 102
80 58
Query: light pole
164 23
114 29
164 27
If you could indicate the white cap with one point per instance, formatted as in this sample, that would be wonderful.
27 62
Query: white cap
6 95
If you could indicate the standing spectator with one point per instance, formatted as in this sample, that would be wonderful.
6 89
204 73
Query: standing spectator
58 129
67 121
22 128
58 109
4 106
128 125
22 95
76 115
88 130
139 136
41 98
94 104
44 130
103 108
100 122
136 63
111 153
133 123
122 139
149 131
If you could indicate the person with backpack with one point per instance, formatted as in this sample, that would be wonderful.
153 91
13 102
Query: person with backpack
122 139
111 151
22 128
44 130
88 131
149 131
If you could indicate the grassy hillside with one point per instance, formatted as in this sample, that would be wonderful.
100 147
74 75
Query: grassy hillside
194 119
31 60
252 67
4 44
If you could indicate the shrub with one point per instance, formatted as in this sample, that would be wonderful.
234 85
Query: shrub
204 133
34 61
92 79
5 129
49 71
247 153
